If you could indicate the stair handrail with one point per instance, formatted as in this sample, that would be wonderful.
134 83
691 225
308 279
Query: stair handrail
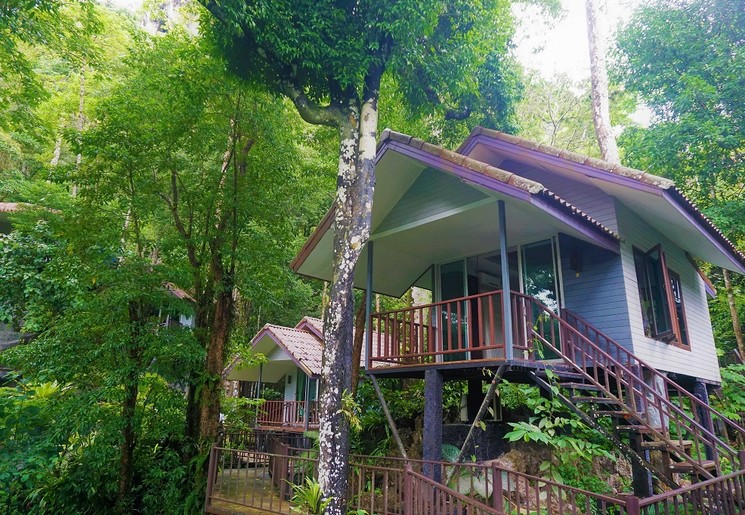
668 382
713 440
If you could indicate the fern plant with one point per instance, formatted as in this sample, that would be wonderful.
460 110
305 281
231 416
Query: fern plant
308 498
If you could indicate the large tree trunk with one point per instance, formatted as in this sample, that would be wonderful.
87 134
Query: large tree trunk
353 205
220 324
599 78
129 406
127 448
733 313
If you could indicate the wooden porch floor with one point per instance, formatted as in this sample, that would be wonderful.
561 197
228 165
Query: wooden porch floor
517 369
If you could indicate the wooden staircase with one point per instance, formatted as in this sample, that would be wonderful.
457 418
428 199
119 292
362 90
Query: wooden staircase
655 422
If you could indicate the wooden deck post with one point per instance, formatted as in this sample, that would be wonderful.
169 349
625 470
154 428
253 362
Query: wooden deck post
632 505
506 288
432 433
211 473
408 491
497 489
306 413
261 378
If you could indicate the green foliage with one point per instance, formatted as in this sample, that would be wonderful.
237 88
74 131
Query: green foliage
50 55
32 290
450 452
308 498
732 402
27 452
573 445
684 59
239 413
558 112
351 410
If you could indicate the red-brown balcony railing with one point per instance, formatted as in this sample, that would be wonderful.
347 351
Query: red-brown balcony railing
465 329
287 413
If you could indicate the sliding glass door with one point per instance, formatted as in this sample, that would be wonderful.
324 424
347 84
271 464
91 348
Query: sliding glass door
540 281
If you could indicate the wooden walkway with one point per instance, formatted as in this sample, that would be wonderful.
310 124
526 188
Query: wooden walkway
246 490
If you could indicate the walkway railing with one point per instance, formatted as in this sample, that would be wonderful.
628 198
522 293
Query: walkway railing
263 480
287 413
241 479
422 495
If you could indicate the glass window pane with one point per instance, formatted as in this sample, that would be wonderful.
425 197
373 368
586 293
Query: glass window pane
658 294
539 274
539 281
454 314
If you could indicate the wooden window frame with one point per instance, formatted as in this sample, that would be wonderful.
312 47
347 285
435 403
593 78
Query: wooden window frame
674 336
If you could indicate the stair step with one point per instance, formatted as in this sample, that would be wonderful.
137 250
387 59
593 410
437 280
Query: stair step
580 386
597 400
612 413
657 445
561 374
684 466
634 428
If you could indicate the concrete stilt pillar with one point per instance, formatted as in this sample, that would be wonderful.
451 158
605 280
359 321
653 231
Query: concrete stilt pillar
641 478
703 415
474 398
432 437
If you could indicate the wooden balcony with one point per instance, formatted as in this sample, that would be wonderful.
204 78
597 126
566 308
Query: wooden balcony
287 414
467 330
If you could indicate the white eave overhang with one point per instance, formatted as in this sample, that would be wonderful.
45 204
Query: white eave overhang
654 199
464 223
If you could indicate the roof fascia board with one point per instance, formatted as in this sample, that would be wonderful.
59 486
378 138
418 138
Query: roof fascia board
314 239
733 258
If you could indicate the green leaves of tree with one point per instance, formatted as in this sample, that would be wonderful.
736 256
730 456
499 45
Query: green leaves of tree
685 60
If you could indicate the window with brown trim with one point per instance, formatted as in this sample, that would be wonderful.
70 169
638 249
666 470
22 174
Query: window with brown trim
661 297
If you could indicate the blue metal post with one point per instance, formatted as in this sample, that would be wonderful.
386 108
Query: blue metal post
506 289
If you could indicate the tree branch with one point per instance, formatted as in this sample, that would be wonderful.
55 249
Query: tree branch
451 113
216 10
310 111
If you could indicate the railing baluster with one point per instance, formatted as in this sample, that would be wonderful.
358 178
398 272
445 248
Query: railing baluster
459 325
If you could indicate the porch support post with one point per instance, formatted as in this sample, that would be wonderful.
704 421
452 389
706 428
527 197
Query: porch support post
432 431
368 304
261 377
506 288
306 412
